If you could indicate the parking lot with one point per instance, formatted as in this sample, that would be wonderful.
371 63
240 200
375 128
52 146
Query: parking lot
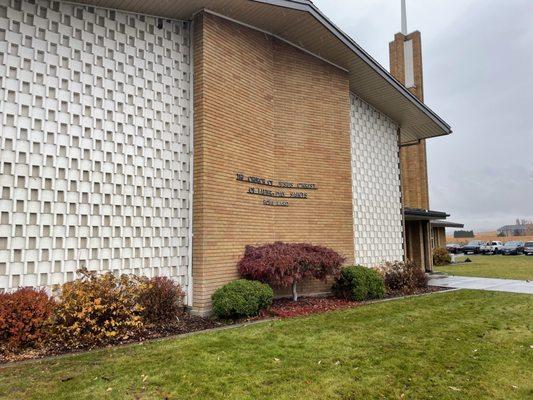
516 246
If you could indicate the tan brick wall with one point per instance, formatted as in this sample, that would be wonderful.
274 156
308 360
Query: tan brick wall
264 108
413 158
440 236
414 242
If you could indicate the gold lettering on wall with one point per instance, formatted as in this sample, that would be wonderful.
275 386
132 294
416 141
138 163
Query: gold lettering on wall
278 191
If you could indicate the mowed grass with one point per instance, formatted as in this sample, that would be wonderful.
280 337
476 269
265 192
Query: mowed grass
498 266
455 345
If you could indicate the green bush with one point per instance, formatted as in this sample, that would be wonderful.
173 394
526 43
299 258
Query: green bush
441 257
359 283
241 298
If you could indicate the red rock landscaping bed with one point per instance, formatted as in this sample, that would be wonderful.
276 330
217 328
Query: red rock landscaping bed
287 308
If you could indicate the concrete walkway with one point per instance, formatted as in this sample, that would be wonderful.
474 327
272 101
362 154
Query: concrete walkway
470 282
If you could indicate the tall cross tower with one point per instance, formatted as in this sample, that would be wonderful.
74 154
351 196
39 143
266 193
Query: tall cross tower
406 66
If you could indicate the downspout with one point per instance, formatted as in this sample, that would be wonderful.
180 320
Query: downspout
352 159
191 164
404 233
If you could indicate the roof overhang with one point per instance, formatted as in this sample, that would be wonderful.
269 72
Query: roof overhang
301 23
446 224
418 214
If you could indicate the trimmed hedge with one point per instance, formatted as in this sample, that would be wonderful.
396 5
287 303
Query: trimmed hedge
359 283
241 298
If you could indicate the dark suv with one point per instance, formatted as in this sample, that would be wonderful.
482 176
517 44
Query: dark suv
528 249
512 248
473 246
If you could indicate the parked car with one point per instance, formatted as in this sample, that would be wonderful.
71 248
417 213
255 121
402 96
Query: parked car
513 248
454 248
493 247
473 246
528 248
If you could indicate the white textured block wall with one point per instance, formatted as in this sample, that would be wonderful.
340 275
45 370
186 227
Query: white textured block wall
376 186
94 143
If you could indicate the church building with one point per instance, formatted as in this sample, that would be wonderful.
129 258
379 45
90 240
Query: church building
162 137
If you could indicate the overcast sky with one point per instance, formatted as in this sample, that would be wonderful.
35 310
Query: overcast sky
478 76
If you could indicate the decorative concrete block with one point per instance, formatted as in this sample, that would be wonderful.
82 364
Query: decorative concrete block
92 102
376 186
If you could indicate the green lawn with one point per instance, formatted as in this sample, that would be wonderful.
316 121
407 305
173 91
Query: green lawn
456 345
507 267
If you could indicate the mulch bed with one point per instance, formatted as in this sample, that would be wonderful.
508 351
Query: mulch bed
187 323
287 308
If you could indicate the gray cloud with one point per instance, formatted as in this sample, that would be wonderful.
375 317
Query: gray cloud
478 75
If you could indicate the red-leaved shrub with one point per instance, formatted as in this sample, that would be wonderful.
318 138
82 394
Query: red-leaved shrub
24 316
161 299
286 264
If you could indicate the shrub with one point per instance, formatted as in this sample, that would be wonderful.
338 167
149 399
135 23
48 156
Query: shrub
97 309
24 317
287 264
403 277
161 300
359 283
441 256
241 298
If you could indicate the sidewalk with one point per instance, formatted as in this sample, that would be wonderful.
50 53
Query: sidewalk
469 282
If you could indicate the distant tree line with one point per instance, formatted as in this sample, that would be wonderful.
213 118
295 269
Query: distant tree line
463 234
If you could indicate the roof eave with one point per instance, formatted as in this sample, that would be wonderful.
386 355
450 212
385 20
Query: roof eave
418 214
446 224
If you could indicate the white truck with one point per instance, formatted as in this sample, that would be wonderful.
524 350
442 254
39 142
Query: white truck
493 247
